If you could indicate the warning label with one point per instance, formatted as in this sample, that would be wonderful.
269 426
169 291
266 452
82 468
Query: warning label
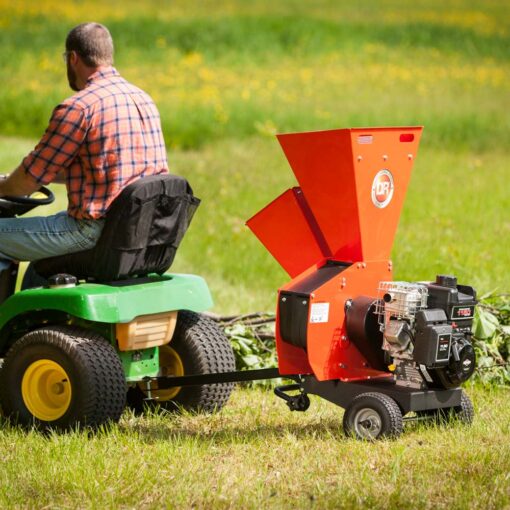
319 312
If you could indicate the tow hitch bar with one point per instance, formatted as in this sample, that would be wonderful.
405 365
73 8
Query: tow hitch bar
299 402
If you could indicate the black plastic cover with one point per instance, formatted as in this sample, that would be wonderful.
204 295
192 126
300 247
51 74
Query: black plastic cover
293 316
432 341
363 330
458 301
142 231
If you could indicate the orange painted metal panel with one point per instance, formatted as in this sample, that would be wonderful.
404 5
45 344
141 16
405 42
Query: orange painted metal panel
330 352
345 174
285 228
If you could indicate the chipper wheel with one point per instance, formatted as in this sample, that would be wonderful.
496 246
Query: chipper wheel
373 416
62 377
197 347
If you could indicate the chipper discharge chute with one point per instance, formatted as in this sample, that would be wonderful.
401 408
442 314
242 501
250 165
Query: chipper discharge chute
376 347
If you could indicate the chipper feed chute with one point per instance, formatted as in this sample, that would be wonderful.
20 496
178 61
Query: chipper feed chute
333 235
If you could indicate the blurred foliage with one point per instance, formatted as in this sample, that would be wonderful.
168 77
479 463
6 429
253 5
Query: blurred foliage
237 69
491 329
253 340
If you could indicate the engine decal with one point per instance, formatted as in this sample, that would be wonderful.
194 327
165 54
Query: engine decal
443 347
463 312
425 373
319 312
382 188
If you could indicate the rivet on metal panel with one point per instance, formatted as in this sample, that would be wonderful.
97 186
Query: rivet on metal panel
284 299
358 266
312 295
360 158
363 265
342 365
409 157
390 265
344 338
343 282
305 302
385 157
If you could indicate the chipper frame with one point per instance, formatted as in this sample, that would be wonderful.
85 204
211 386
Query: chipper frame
344 330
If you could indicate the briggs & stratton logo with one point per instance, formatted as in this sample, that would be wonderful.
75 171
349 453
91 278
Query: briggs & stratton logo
382 189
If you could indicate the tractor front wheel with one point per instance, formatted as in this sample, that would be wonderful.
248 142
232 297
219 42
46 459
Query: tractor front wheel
62 377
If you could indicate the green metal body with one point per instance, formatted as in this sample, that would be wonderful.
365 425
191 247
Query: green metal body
101 306
140 364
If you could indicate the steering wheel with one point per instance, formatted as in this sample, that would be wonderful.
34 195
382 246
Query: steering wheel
15 206
47 198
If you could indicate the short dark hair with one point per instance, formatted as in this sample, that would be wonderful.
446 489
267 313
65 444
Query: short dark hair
92 42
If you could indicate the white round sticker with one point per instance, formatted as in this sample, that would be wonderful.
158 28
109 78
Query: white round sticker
382 189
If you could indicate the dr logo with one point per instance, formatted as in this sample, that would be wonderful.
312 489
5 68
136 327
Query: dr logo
382 189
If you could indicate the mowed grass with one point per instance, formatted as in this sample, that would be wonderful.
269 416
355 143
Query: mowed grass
256 454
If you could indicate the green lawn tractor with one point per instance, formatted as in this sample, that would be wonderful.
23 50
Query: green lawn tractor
97 336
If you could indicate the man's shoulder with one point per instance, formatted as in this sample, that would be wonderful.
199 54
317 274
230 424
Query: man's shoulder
102 90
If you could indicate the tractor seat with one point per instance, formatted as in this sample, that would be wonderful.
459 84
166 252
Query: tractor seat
143 228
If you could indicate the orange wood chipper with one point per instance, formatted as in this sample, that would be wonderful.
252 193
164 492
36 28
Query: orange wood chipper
344 329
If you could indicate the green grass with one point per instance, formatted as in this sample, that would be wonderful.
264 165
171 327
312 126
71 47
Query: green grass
235 69
256 454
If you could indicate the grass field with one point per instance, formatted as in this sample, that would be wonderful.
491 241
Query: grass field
256 454
227 75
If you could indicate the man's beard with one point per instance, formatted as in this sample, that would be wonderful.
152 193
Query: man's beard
71 78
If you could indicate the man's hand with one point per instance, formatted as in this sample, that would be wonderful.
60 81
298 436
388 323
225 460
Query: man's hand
18 184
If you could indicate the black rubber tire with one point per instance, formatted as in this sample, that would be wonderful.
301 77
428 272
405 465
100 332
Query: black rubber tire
381 411
94 369
464 412
203 349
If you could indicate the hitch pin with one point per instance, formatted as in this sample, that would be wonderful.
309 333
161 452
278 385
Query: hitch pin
148 389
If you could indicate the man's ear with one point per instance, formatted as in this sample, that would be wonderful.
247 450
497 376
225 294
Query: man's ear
73 57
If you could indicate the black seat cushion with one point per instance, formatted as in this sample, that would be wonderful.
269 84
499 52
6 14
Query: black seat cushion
142 231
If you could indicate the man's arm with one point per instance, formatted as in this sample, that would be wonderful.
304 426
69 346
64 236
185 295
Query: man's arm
55 152
18 183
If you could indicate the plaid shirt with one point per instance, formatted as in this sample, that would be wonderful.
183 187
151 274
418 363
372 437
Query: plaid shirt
103 137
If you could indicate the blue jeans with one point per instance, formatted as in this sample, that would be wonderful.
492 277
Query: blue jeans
34 238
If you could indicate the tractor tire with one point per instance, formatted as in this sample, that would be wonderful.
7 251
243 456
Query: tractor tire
464 412
372 416
198 346
60 378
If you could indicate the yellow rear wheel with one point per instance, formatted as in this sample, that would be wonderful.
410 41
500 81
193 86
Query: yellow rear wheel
46 390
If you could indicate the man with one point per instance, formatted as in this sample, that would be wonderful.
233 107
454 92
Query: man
98 141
